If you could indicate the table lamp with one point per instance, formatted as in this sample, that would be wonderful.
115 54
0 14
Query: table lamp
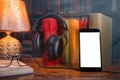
13 18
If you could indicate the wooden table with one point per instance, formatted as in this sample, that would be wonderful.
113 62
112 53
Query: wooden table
66 74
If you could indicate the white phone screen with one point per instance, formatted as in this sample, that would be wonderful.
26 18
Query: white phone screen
90 54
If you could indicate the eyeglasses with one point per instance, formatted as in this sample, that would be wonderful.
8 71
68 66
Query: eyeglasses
14 60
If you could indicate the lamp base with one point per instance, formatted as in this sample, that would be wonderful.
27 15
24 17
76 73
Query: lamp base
9 46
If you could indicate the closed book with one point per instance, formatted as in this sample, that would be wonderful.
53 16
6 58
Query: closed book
14 69
104 24
81 23
84 23
65 56
49 27
74 41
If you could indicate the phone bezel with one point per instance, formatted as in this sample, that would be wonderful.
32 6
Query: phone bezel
90 68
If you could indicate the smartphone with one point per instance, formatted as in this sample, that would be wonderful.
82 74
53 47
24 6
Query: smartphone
90 50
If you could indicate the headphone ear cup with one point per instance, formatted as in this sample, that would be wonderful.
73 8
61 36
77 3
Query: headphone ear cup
37 42
52 48
49 47
34 40
57 48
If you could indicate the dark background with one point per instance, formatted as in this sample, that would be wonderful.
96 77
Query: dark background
73 8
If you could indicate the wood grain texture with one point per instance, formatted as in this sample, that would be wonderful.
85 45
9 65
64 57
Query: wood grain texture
66 74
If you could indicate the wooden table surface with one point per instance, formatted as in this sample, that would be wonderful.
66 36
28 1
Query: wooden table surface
66 74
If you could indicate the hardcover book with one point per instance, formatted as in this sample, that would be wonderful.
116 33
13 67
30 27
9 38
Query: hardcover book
74 41
66 55
104 24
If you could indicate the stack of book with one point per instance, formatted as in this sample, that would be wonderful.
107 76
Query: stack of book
93 20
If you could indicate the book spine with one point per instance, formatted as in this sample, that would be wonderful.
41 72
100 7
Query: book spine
74 41
65 56
81 23
84 23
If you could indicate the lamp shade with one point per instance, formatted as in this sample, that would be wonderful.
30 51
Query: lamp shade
13 16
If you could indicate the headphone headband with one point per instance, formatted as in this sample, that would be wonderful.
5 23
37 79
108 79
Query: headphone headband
59 19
